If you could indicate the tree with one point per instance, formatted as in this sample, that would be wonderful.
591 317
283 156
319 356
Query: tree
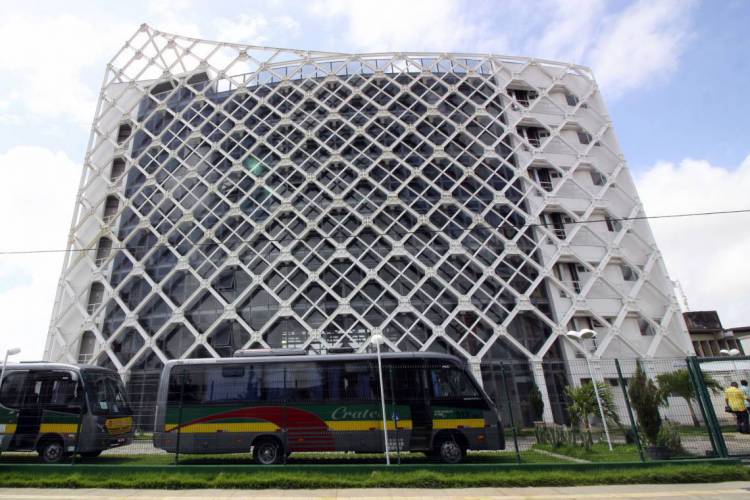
536 403
582 405
678 384
646 398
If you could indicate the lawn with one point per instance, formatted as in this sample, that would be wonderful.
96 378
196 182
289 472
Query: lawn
280 478
599 452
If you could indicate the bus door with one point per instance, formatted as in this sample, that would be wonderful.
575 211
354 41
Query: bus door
51 406
405 394
11 399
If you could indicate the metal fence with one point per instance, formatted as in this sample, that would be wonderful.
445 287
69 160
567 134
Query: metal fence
638 410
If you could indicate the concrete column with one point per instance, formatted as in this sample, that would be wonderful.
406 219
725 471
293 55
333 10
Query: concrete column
541 383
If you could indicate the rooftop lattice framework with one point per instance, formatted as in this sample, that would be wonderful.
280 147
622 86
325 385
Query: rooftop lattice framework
236 196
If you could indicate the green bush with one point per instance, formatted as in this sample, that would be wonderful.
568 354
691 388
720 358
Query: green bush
669 436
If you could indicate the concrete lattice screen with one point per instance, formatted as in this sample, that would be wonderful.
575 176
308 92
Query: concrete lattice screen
236 196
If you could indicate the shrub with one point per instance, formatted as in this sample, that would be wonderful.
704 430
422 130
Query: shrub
646 398
669 436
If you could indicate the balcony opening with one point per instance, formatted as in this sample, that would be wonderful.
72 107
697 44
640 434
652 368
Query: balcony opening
524 97
597 178
110 208
614 225
533 135
123 133
556 221
585 138
546 177
646 328
96 296
567 273
628 273
86 350
103 250
118 168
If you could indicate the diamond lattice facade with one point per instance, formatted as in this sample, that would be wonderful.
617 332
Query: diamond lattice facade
236 196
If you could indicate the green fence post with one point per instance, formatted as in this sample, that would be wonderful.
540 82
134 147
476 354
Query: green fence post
510 412
179 419
633 425
707 408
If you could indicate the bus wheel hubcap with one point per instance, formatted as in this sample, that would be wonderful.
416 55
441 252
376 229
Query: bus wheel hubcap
267 453
450 451
53 452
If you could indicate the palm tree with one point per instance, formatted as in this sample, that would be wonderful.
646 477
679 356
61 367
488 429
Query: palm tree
583 405
678 384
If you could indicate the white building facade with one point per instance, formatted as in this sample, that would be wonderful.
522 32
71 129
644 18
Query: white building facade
236 196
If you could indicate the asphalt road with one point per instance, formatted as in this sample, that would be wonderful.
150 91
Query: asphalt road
662 492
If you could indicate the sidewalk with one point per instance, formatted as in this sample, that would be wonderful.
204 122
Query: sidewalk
643 491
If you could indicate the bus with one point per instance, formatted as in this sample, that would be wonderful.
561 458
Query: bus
60 409
271 405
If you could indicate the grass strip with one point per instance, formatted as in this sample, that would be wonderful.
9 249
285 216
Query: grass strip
692 473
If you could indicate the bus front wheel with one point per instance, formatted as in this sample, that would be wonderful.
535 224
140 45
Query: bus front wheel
449 450
267 452
51 451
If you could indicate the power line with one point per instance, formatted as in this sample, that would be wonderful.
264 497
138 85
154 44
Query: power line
423 231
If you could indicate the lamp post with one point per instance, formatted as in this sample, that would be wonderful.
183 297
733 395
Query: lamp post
578 338
9 352
378 339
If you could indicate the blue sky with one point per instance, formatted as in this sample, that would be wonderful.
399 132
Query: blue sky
674 74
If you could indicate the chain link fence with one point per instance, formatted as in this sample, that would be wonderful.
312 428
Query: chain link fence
329 409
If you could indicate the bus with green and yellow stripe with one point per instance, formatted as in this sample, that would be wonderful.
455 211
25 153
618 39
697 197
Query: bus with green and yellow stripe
271 405
60 409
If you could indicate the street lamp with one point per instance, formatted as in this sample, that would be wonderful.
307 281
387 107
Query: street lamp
579 337
732 353
378 339
9 352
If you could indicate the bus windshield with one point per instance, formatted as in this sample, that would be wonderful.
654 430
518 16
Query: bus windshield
105 393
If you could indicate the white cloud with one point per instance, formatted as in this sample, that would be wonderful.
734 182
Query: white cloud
36 199
256 29
435 25
641 44
49 57
708 254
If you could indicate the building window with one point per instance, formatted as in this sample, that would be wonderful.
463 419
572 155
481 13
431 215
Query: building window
88 343
584 137
556 221
118 168
545 176
534 135
613 225
523 97
110 208
96 296
628 273
123 133
571 99
647 330
597 178
102 250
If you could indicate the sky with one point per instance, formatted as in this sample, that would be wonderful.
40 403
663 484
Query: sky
674 75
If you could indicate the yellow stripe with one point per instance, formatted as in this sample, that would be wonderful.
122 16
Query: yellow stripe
7 428
365 425
58 428
454 423
226 427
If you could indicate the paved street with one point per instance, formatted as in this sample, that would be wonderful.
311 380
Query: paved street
662 492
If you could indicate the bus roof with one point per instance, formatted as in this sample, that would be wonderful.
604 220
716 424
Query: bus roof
43 365
314 357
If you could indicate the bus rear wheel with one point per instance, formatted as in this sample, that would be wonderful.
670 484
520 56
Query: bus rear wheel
51 451
449 450
267 452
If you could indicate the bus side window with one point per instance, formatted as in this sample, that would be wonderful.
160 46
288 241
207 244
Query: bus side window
64 393
304 382
451 382
272 382
402 382
11 394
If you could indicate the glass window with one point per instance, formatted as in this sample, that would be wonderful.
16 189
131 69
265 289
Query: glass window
106 393
451 382
350 381
11 393
305 382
